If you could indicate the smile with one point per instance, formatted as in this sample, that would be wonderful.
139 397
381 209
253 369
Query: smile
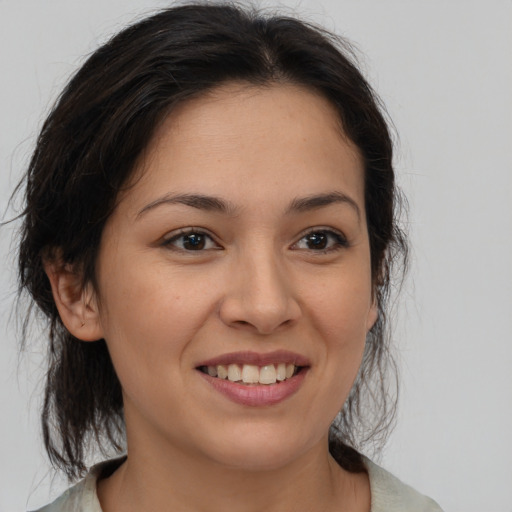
255 379
252 374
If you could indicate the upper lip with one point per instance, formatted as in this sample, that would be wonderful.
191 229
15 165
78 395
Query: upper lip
257 359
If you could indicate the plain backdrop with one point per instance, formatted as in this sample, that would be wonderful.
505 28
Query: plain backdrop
444 70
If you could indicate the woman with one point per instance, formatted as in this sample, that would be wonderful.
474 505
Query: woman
210 230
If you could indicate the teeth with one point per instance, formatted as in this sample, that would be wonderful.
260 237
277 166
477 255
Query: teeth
268 374
222 371
252 374
234 373
281 371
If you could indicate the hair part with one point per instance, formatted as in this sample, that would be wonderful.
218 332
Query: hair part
88 149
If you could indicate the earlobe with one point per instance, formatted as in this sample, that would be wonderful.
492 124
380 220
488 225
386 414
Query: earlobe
76 303
373 315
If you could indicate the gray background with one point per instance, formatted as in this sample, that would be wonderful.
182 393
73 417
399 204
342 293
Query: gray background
444 70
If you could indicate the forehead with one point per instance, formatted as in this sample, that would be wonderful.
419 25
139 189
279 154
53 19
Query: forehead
250 142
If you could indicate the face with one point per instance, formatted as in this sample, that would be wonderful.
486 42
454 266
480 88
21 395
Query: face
239 253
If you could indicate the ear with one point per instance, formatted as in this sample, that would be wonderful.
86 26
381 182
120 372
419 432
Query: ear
373 314
77 304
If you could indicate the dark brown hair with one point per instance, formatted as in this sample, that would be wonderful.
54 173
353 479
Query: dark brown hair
87 150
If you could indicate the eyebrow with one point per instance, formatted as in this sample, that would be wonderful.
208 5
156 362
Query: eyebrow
313 202
199 201
216 204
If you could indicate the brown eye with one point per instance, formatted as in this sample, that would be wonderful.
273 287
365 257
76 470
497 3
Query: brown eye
316 240
194 242
321 241
190 241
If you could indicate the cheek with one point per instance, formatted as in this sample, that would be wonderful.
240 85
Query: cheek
341 313
149 330
342 309
148 316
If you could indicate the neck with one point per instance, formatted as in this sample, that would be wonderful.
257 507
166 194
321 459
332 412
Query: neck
164 474
169 480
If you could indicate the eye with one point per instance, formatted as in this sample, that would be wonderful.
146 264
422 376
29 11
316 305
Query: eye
190 240
321 240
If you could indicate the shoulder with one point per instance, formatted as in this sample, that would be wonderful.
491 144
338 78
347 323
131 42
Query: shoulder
82 496
389 494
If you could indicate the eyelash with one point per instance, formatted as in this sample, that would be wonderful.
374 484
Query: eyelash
339 239
181 234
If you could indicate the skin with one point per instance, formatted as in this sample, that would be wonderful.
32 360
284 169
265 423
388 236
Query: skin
257 285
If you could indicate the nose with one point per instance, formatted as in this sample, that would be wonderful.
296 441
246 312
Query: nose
259 296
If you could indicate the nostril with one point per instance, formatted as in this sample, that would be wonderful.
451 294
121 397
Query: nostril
261 316
241 323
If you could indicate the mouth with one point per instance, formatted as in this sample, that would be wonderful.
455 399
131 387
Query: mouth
251 374
254 379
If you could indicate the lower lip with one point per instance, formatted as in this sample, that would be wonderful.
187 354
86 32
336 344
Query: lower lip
257 395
